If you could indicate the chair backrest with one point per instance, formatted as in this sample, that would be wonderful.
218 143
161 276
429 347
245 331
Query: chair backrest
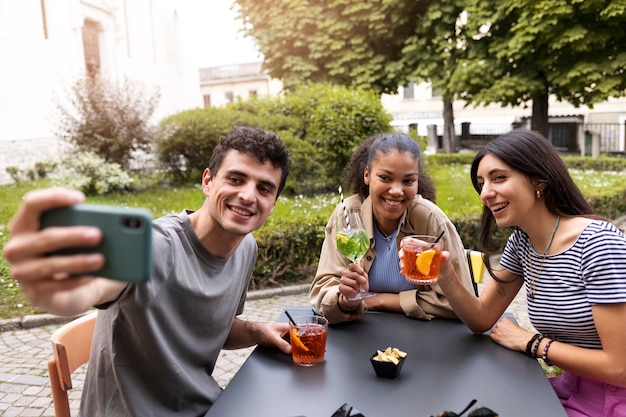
476 267
71 344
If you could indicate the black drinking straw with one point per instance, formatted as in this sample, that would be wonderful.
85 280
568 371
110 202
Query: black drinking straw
436 240
291 318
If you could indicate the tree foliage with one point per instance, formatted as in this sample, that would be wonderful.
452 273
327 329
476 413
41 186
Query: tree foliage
509 52
378 45
523 50
345 42
433 53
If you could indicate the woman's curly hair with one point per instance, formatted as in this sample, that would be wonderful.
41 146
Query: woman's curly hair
361 158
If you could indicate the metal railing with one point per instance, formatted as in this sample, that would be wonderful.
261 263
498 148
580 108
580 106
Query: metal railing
611 136
564 136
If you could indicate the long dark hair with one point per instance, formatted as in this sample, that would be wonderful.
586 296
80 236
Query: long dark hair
369 149
531 154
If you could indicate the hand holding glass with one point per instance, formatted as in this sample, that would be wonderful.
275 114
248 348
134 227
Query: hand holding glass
353 243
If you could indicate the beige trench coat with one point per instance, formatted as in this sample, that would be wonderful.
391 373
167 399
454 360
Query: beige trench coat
425 301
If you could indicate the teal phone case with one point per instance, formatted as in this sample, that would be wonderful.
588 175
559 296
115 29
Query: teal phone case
127 240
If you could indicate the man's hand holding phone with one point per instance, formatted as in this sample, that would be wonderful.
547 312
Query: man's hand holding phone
55 265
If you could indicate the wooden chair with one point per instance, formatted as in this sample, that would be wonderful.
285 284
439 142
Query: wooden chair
71 344
476 267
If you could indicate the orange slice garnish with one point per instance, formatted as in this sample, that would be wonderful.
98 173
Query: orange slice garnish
295 340
424 260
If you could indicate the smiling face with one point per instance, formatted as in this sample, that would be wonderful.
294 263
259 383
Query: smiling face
393 182
241 195
509 194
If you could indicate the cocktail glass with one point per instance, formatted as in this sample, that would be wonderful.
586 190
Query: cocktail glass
308 339
353 243
422 259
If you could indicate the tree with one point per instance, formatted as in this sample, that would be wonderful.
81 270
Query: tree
378 45
346 42
526 50
108 117
433 53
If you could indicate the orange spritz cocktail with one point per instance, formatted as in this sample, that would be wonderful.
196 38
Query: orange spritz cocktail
422 259
308 340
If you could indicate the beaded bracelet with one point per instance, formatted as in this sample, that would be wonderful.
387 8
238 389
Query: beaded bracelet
544 356
536 347
529 345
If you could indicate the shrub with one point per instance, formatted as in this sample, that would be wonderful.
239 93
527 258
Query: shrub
306 175
91 174
107 117
15 173
320 124
335 120
39 171
187 139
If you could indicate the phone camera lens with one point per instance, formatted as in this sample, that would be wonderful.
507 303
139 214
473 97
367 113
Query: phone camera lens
132 223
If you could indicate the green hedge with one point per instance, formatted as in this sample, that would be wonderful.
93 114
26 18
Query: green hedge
602 163
289 250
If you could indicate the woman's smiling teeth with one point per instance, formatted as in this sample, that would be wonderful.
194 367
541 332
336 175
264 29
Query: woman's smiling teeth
392 202
498 207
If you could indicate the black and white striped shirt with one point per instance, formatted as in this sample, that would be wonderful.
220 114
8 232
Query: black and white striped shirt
567 284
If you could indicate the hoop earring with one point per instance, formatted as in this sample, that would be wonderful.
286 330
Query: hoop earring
539 194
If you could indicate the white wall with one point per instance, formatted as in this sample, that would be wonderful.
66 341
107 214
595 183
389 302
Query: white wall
141 39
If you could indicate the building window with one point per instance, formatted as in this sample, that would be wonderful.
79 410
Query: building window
563 136
230 97
409 91
252 94
91 32
207 100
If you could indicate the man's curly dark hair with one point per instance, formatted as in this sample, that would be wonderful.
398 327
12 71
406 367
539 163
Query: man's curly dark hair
265 146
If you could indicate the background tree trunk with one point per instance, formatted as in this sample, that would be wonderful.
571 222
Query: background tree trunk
539 118
450 141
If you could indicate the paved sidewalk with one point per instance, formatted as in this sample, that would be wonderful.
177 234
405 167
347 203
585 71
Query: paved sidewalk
24 384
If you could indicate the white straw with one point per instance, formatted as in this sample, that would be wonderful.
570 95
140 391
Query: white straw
345 212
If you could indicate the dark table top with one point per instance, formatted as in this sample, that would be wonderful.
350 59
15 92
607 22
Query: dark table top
447 366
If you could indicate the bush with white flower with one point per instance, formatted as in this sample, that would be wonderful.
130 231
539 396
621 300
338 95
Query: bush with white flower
91 174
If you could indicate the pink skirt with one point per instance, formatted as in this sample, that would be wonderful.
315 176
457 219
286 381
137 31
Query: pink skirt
583 397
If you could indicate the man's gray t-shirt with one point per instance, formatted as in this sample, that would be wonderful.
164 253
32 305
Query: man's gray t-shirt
154 349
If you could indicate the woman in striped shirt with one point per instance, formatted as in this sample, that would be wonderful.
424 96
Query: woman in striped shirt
571 263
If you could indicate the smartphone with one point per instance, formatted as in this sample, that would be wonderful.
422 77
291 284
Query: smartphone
126 242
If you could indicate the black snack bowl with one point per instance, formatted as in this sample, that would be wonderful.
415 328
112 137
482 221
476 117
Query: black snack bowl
386 369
